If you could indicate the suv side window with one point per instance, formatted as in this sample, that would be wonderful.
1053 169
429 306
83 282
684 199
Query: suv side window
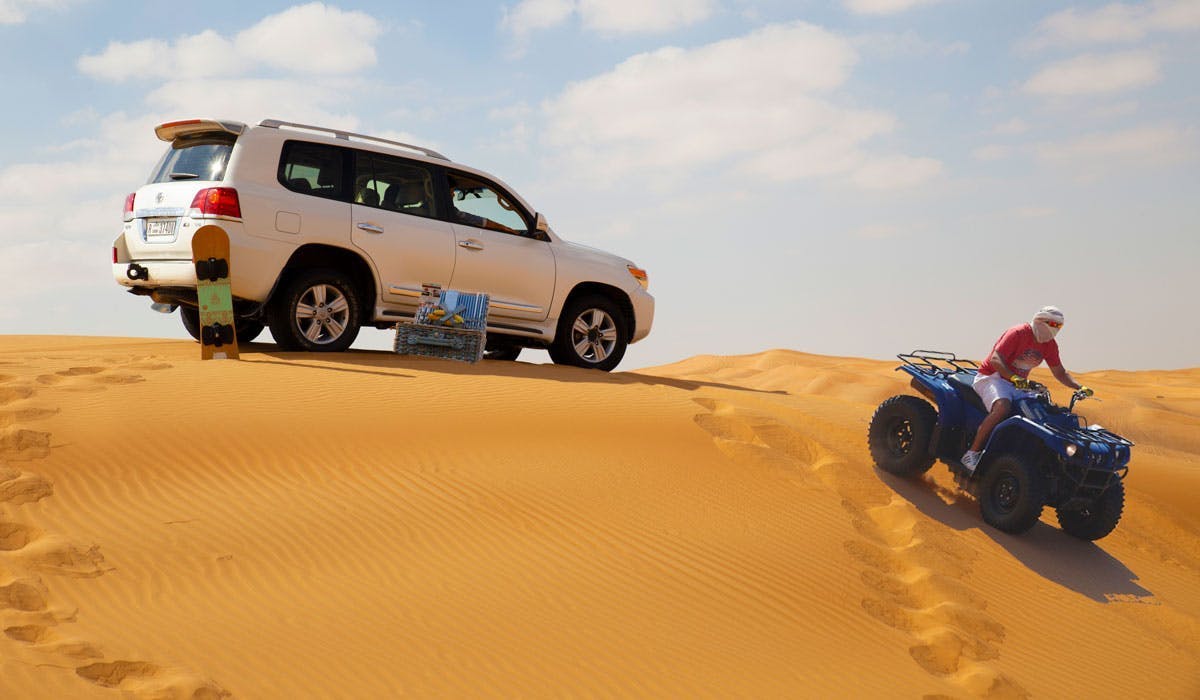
313 168
474 202
395 184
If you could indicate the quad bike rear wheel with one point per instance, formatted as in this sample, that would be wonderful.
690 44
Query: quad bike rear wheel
1097 520
1012 494
900 433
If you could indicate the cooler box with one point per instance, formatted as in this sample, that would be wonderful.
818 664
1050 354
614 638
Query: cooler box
436 332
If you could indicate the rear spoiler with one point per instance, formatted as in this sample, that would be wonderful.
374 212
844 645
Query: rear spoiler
172 130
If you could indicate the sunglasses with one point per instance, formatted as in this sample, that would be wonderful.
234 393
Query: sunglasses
1052 324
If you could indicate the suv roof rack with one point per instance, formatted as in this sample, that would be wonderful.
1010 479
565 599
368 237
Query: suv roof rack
347 135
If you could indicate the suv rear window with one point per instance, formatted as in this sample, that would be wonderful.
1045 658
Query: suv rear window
201 157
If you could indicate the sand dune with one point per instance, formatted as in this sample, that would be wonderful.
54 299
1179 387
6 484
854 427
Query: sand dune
369 525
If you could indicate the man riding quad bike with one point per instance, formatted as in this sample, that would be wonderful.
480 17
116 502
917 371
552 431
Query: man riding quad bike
1042 454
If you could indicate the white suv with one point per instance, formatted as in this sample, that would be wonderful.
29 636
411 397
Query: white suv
330 231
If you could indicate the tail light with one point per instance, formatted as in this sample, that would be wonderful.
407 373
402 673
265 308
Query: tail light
114 255
129 206
217 201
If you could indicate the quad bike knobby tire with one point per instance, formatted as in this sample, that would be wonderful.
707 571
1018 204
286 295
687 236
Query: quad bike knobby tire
1012 494
1098 519
900 433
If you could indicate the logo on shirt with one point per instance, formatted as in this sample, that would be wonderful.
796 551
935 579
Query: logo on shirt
1027 360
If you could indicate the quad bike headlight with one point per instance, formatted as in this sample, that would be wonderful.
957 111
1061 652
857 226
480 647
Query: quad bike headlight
1072 449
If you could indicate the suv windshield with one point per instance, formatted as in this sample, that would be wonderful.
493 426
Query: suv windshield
201 157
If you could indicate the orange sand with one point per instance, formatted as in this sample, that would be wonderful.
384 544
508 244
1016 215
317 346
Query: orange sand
374 526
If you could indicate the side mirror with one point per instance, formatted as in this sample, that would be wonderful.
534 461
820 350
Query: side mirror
542 225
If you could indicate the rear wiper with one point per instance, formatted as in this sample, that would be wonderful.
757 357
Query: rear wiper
184 176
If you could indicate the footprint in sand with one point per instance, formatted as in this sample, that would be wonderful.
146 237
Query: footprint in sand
22 595
19 444
17 487
913 567
145 679
14 536
13 393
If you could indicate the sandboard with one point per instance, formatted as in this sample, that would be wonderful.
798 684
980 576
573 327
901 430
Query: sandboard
210 254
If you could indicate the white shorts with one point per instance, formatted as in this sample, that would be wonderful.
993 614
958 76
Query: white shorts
992 387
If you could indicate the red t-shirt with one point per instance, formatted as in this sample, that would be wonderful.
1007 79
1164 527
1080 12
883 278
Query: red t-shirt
1022 352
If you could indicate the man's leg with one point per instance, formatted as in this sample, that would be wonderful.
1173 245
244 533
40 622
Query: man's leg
1000 410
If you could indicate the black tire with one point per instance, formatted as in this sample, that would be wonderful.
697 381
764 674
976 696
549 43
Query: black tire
592 333
317 310
899 435
191 321
246 329
1012 494
499 349
1097 520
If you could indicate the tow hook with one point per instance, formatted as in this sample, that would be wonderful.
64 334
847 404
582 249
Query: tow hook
137 272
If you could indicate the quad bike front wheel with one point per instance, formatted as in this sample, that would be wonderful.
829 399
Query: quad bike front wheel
900 433
1012 494
1098 519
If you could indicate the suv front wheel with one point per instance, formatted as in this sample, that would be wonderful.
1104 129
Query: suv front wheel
591 333
317 310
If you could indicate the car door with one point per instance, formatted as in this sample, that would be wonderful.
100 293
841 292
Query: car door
498 250
394 221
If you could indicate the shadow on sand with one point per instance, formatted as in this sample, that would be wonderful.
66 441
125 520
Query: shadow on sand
389 364
1080 566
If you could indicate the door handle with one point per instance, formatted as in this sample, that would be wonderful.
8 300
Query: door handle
470 244
371 228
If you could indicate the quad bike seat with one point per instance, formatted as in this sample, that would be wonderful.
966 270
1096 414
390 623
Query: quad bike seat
961 381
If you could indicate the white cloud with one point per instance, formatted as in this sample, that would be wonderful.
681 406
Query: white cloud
17 11
1116 22
908 43
991 152
311 39
758 103
607 16
895 172
1094 74
533 15
642 16
1016 125
1144 145
884 7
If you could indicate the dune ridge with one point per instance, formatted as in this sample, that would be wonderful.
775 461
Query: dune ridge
369 525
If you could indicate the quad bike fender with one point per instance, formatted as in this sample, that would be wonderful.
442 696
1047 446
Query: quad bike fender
1019 434
941 394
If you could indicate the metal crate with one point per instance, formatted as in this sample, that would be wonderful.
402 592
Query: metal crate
443 337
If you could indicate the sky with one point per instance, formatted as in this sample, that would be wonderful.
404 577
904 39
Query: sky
854 177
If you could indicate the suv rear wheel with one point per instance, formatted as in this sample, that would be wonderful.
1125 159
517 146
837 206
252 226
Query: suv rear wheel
591 333
317 310
246 329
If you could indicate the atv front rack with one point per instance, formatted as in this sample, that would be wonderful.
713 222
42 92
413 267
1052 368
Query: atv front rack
935 363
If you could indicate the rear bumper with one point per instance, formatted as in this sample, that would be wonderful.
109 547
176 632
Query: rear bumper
158 273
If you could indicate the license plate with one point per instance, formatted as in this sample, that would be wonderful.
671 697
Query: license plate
160 228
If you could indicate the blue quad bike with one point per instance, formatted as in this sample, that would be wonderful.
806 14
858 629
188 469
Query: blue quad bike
1041 455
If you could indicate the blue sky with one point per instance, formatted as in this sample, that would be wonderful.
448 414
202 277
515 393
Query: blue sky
861 177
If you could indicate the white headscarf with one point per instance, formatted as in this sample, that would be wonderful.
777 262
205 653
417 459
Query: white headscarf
1042 332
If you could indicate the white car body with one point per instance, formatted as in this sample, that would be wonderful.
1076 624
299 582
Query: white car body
529 272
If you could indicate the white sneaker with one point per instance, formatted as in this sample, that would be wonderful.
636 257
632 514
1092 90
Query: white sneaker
971 460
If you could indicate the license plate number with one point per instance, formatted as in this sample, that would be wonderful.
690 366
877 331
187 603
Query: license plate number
161 228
